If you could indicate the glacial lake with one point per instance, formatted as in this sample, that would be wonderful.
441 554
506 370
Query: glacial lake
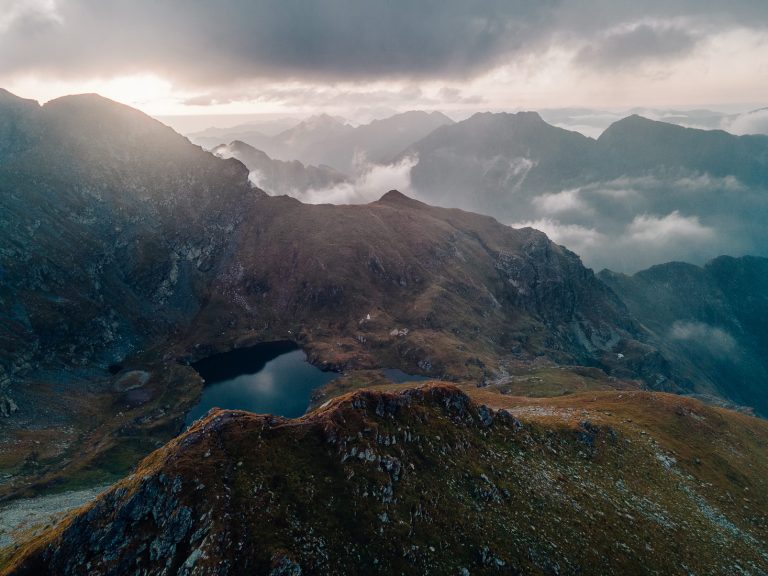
269 378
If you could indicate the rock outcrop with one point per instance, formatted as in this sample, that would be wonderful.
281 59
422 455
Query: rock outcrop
429 481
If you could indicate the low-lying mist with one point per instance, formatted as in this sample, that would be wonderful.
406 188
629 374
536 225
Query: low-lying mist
369 185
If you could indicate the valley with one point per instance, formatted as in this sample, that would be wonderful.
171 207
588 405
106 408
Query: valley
130 257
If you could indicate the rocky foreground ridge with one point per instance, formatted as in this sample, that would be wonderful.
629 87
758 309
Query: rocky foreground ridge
429 481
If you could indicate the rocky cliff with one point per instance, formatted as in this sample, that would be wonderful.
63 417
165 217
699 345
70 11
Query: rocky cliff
428 481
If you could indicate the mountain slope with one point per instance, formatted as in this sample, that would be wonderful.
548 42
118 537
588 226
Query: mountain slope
378 142
711 320
428 481
278 176
484 161
111 223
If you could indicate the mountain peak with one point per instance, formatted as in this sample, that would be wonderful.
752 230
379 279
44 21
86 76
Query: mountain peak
523 117
240 150
395 197
7 97
636 124
86 99
375 460
529 115
323 120
94 107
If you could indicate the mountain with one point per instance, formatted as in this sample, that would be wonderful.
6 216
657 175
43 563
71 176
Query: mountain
430 481
111 226
644 192
378 142
712 320
484 162
253 138
301 141
635 145
327 140
129 252
593 122
254 133
16 123
278 176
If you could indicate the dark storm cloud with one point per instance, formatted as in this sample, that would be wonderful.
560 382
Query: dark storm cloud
206 42
636 46
229 40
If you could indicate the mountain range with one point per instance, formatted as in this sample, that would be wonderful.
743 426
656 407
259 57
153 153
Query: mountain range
328 140
684 194
681 193
127 253
592 122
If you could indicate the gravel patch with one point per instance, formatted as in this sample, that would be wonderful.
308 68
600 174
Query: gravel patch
19 517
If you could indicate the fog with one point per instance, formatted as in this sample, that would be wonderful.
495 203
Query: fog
370 185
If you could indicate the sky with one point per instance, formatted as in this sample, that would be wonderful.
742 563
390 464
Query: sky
375 57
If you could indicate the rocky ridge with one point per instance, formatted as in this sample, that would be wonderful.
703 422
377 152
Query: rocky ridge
427 480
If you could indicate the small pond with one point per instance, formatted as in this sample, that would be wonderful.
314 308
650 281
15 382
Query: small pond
269 378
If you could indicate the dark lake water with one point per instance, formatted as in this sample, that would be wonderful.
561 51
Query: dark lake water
269 378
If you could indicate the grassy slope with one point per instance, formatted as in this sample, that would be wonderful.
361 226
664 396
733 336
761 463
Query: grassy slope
604 482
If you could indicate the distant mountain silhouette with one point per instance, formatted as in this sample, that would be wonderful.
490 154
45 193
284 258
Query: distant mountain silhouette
705 191
331 141
279 176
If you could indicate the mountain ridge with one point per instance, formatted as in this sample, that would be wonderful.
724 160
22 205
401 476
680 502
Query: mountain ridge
375 481
710 319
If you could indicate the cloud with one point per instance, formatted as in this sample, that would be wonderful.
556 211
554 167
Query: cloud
452 95
220 43
705 182
636 46
28 15
344 97
755 122
580 239
673 227
565 201
374 180
715 340
642 242
326 39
